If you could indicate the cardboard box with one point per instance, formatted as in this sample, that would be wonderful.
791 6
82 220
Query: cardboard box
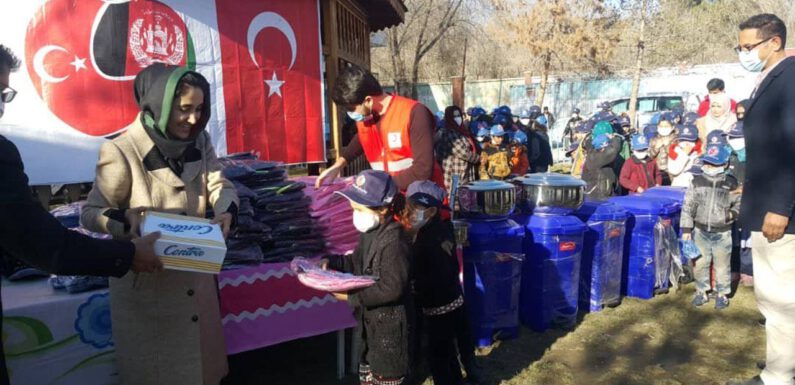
186 243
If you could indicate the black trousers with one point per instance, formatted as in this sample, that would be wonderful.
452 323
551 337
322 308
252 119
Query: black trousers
448 336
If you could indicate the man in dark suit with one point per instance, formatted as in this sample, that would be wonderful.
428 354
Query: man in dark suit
769 191
30 233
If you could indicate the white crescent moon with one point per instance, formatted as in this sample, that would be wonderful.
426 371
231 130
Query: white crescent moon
270 20
38 63
97 18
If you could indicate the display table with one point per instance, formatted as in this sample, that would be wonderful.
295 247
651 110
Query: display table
52 337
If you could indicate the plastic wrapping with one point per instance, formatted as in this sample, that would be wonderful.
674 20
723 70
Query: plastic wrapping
551 274
492 278
668 259
600 272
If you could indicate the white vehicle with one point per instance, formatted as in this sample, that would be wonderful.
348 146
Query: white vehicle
650 104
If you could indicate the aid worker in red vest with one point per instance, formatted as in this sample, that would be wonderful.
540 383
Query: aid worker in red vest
393 132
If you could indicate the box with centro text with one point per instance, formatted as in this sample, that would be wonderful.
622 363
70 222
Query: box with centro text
186 243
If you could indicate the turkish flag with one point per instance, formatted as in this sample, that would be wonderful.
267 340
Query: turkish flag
82 57
270 51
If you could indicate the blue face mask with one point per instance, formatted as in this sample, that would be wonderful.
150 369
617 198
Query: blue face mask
357 117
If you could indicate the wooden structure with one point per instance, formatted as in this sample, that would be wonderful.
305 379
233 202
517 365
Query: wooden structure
346 27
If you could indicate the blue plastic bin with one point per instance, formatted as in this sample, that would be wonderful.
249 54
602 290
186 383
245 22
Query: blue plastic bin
642 265
603 254
492 278
676 194
551 273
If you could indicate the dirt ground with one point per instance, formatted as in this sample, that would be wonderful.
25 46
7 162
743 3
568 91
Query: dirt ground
664 341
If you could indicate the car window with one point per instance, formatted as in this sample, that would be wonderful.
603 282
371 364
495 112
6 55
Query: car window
668 103
620 106
646 105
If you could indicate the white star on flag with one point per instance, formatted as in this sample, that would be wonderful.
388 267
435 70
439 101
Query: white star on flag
79 64
274 85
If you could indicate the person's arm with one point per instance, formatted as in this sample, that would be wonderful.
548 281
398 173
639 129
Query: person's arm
599 159
108 200
678 164
782 198
353 150
31 234
657 173
462 150
421 138
625 178
393 281
654 149
689 209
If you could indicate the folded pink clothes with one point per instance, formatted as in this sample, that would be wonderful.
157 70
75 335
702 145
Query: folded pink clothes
332 213
311 275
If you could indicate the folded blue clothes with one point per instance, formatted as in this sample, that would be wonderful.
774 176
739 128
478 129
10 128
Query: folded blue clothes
78 283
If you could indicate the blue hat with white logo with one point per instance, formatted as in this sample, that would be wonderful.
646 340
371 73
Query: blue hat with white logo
696 168
519 137
737 131
426 193
690 118
504 110
497 130
639 142
688 132
483 132
600 141
668 117
717 137
371 188
716 154
503 120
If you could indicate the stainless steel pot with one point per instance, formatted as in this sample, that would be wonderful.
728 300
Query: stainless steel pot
487 198
550 192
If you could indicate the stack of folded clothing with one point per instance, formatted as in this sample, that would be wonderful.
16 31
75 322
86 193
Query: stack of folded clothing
333 214
273 214
68 214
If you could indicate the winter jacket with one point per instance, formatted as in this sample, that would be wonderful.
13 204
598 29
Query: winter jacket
640 173
658 150
385 311
539 152
458 155
711 204
496 165
519 164
737 167
598 172
435 265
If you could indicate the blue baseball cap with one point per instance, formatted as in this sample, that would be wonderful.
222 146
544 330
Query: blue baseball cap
575 110
600 141
716 137
696 168
519 137
426 193
667 116
687 132
690 118
605 106
503 120
716 154
371 188
504 110
737 131
639 142
497 130
483 132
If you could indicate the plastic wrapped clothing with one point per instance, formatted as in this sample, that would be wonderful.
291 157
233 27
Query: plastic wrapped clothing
78 283
668 260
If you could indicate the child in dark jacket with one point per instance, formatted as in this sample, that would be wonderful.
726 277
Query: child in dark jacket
437 288
384 310
710 208
640 172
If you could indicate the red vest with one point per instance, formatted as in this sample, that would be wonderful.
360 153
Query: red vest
390 148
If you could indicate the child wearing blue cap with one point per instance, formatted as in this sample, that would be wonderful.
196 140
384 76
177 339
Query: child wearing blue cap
639 172
384 310
494 159
683 154
659 145
710 208
519 162
437 288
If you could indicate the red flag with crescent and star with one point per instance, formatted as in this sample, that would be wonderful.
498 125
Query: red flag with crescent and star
270 51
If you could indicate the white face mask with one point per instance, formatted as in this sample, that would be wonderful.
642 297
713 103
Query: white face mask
751 61
525 121
665 131
712 170
364 221
418 220
458 120
641 154
737 143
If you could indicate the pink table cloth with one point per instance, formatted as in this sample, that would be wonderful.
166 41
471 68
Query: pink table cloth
266 305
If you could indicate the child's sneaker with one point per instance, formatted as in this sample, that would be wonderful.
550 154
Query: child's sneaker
700 299
721 302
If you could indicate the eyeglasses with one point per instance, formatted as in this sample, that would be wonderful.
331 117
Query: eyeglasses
750 47
7 94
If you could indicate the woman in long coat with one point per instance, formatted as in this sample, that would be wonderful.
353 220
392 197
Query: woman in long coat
166 325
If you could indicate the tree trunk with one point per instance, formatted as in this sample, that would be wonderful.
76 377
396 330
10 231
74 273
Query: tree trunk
633 98
415 77
542 89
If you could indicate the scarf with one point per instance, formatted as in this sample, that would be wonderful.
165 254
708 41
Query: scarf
723 122
741 155
156 92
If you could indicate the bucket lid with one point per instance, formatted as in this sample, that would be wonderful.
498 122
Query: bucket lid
550 179
646 205
674 193
598 211
488 185
555 224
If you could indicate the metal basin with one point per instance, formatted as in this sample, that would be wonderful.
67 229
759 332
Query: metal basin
550 193
488 198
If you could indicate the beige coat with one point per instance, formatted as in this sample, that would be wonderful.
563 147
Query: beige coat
166 326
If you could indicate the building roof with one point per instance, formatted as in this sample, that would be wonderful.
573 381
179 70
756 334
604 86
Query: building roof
383 13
